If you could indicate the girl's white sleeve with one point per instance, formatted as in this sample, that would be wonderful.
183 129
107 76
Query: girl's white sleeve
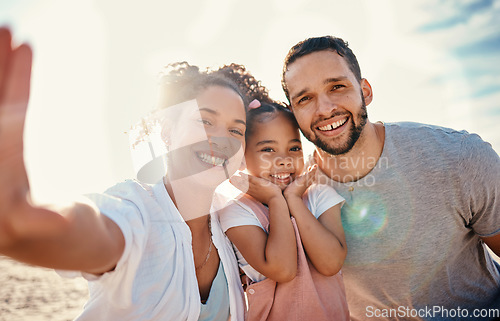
321 197
237 214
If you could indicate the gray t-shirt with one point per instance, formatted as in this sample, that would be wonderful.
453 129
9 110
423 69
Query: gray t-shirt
413 224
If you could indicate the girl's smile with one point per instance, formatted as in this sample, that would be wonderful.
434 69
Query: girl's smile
274 151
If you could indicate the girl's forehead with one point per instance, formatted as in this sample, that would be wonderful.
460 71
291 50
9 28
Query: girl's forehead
275 126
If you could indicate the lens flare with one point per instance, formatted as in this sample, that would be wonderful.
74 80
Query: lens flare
364 216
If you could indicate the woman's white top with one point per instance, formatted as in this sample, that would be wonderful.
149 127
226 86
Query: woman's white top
155 278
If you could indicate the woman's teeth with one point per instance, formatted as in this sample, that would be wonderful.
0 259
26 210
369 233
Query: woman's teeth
334 125
210 159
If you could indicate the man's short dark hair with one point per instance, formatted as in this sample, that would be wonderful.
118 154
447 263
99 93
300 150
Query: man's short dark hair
311 45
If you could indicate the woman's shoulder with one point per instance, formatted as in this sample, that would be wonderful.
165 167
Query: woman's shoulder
130 189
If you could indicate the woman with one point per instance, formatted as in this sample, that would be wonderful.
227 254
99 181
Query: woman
150 252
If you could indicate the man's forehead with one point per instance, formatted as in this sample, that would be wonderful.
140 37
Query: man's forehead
316 65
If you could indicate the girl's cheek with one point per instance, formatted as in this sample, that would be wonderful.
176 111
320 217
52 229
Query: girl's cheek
266 162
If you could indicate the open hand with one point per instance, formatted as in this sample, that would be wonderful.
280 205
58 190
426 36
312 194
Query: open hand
259 188
17 216
301 183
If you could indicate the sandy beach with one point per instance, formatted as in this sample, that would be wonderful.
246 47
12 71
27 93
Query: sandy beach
37 294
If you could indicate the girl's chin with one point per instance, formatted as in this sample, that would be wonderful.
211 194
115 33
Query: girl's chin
283 186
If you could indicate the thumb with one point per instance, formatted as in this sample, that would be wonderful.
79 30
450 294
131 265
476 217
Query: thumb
311 175
239 182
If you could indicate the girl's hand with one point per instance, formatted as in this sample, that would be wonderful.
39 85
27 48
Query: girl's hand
301 183
259 188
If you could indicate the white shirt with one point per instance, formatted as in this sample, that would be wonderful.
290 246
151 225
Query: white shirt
318 198
155 278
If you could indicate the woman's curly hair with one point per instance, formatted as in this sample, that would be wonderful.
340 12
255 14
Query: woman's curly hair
250 87
181 82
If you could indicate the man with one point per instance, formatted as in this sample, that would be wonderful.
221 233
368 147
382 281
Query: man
421 201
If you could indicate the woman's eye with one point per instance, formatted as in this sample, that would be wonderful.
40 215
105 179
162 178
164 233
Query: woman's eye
205 122
267 150
237 132
296 149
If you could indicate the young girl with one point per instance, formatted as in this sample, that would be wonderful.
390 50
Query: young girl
149 251
293 265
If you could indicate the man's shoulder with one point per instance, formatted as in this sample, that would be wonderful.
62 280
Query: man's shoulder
423 128
419 134
424 140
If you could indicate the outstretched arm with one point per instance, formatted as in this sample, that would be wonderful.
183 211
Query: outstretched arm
323 238
275 254
72 237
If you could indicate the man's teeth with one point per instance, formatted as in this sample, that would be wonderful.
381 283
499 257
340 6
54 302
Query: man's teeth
334 125
210 159
281 176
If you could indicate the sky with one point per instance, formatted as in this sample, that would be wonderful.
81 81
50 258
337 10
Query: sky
96 64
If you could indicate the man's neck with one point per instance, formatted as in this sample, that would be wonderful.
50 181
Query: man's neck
359 161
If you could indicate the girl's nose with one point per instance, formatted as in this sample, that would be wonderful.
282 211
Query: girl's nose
284 161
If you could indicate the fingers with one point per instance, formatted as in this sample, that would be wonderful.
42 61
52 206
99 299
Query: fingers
15 75
5 52
240 182
16 87
309 176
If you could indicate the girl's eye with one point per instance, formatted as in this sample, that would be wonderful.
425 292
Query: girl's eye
267 150
296 149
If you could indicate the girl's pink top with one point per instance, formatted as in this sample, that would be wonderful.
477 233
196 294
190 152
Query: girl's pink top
309 296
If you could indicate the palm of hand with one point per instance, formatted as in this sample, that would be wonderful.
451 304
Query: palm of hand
17 216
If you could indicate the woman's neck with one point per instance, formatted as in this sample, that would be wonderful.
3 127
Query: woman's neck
192 200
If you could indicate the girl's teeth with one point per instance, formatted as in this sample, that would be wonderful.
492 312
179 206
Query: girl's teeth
281 176
333 125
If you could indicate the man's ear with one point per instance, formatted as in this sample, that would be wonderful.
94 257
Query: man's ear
366 90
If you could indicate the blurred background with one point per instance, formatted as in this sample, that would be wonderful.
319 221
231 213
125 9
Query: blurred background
96 62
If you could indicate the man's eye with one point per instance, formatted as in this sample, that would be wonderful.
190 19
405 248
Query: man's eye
337 87
303 99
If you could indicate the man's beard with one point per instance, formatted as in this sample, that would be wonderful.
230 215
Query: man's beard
354 134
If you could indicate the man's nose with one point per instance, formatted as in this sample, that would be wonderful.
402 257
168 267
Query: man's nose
325 105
